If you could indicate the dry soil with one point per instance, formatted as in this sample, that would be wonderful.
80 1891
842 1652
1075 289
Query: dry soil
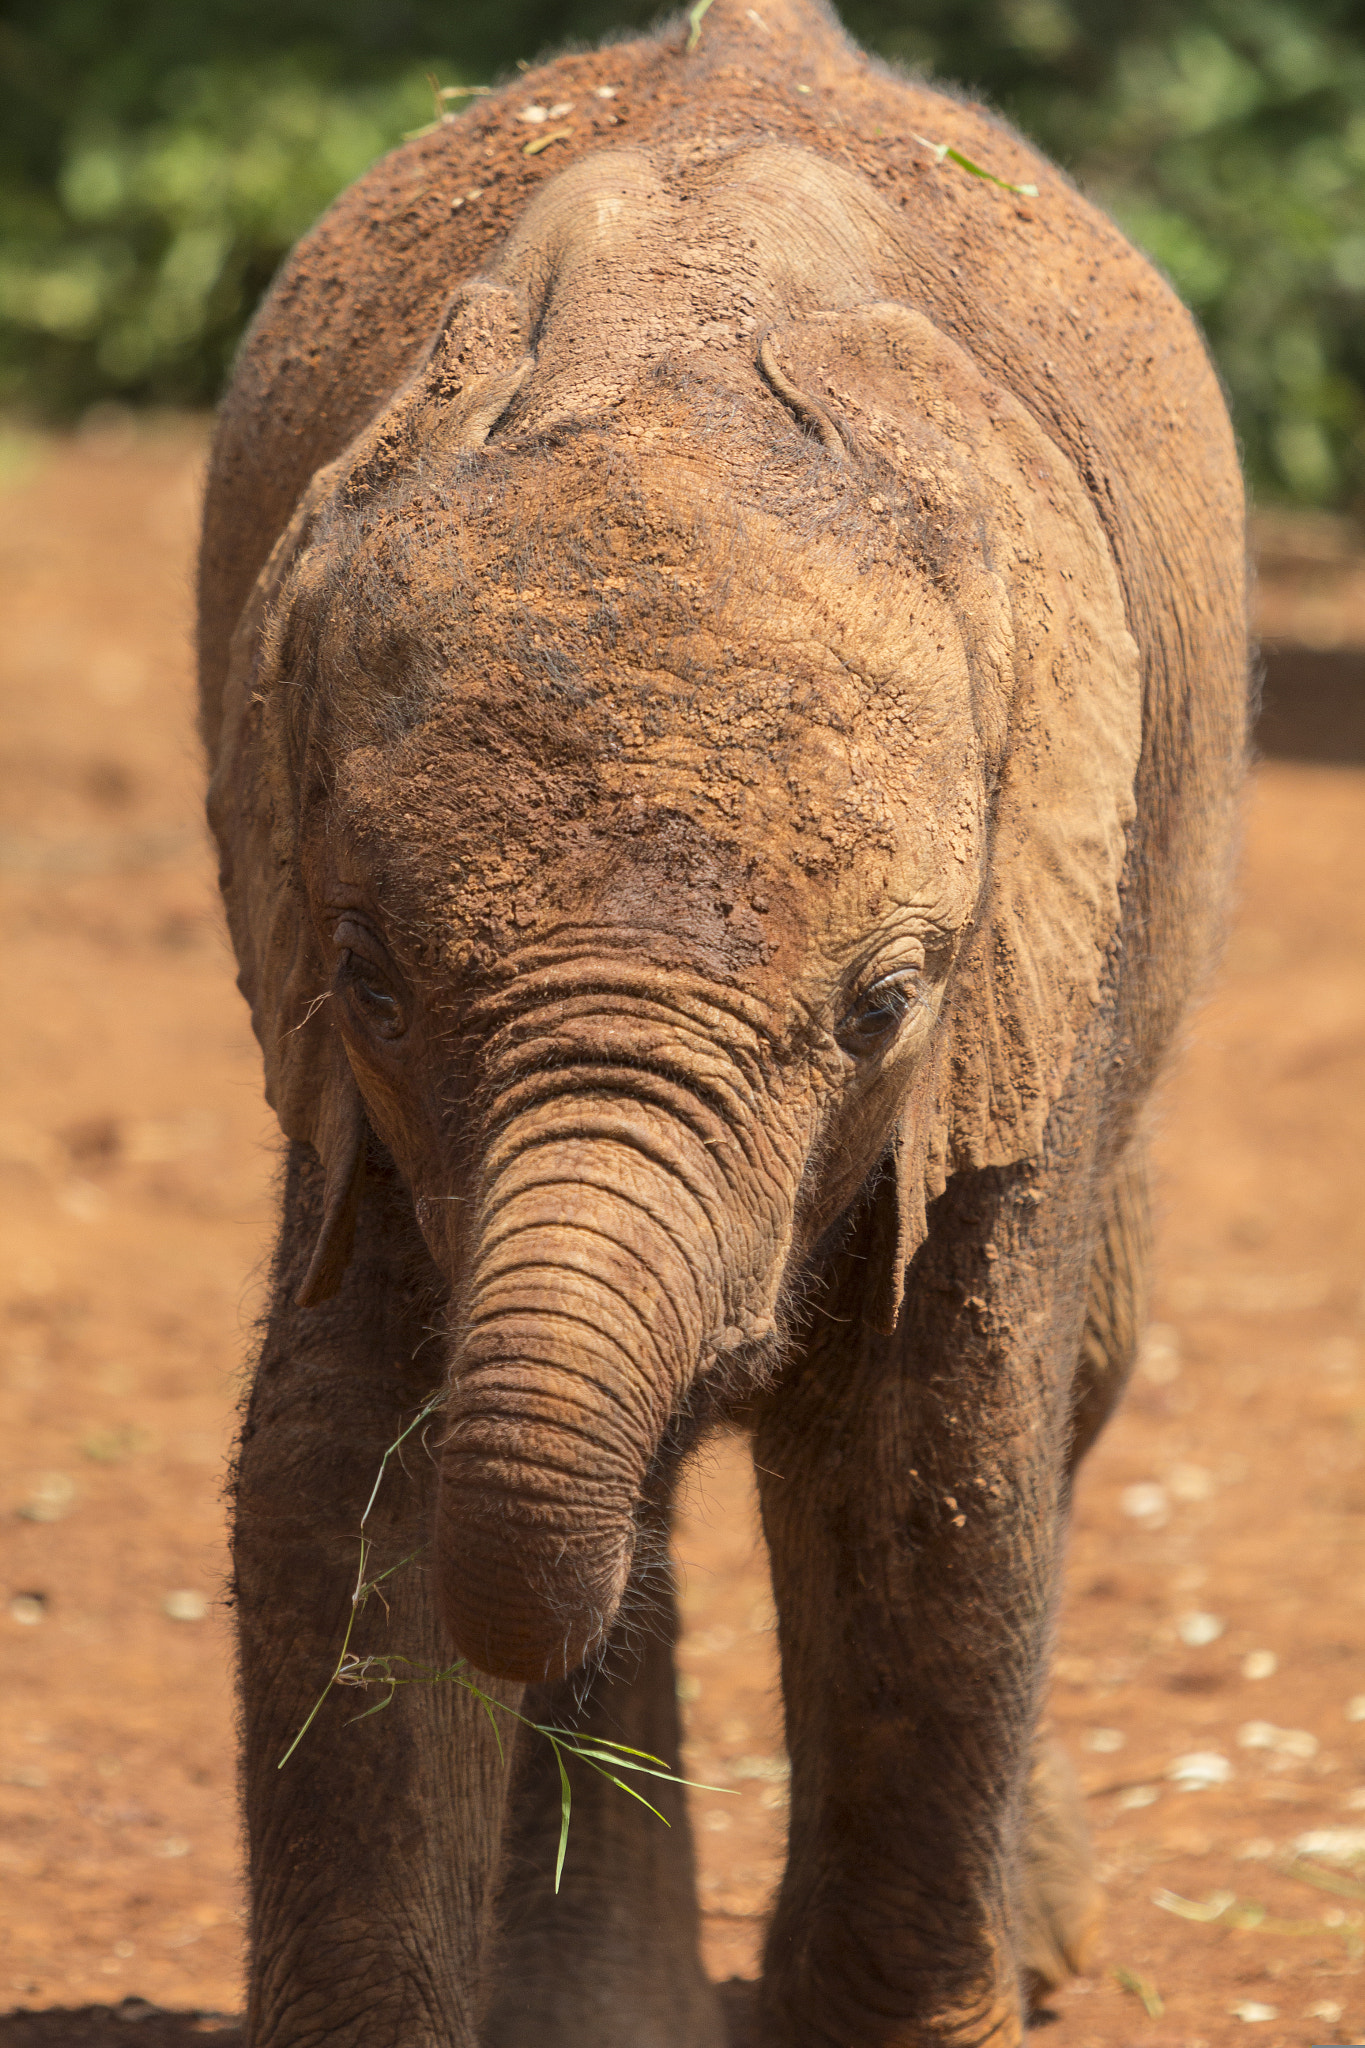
1214 1604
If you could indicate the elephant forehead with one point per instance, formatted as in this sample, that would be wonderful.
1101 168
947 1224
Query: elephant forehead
757 677
736 854
804 678
694 702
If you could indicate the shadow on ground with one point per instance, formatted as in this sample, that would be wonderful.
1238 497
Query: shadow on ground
133 2024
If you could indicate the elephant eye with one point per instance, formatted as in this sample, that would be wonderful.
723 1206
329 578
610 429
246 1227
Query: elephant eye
380 997
874 1022
367 984
384 1010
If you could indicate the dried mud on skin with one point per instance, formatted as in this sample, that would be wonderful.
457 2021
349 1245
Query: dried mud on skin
1219 1528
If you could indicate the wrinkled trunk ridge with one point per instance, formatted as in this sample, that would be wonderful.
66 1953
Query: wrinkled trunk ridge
597 1283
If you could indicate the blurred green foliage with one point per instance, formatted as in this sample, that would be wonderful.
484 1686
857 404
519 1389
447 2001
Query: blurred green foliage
157 160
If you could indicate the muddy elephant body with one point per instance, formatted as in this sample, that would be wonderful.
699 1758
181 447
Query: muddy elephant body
723 658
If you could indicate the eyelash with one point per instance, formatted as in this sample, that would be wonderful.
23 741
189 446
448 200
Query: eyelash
893 997
365 979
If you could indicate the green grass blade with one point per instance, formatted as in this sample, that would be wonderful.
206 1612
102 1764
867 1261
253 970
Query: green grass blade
565 1803
599 1753
399 1566
487 1706
575 1735
695 17
307 1724
634 1795
1143 1989
341 1659
485 1701
600 1757
395 1446
1327 1880
378 1706
965 163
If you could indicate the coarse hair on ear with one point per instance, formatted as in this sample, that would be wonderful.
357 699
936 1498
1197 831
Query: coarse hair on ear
1059 709
474 368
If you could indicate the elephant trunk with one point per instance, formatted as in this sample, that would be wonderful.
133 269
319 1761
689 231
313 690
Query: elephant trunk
597 1284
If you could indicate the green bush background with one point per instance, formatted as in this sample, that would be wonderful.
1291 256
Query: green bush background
158 157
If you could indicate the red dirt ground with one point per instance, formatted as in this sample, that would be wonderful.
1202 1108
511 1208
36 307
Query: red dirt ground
135 1167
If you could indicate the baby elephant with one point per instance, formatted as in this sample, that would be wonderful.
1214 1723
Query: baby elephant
724 667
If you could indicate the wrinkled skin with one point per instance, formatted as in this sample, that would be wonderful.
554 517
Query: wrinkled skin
723 664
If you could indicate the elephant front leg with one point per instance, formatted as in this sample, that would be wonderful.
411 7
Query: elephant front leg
915 1533
371 1850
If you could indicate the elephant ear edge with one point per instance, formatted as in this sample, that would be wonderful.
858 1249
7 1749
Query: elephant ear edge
1061 714
474 368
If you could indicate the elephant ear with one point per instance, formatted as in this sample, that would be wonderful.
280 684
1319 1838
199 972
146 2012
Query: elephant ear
265 773
1058 705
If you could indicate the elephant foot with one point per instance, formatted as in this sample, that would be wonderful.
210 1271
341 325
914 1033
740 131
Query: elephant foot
1060 1903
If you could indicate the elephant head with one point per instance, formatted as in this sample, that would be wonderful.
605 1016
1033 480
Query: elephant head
675 788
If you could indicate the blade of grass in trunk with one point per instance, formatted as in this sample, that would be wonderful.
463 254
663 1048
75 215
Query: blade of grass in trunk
599 1753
